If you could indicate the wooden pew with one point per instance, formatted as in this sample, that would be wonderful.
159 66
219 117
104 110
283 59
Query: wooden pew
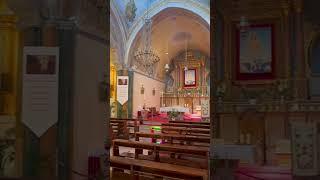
188 125
190 122
121 127
186 131
158 169
156 148
171 137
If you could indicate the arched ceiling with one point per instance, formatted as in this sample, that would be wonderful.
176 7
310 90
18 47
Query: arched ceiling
143 5
174 30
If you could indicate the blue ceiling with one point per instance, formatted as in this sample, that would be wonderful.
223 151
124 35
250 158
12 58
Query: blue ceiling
142 5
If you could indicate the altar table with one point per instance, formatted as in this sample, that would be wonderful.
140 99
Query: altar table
234 152
228 157
175 108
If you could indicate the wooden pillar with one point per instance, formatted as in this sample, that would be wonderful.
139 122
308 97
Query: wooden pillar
286 38
287 53
300 63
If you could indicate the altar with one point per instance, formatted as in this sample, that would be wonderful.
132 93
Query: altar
175 109
227 158
234 152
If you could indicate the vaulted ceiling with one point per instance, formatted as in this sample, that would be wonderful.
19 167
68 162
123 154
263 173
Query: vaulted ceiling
143 5
173 31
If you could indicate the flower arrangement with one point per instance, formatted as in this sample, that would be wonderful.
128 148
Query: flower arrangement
173 114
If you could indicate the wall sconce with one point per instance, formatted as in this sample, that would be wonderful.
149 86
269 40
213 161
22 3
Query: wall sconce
153 91
142 89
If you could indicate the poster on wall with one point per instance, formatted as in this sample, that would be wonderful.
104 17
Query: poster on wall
255 54
304 149
205 108
122 89
40 88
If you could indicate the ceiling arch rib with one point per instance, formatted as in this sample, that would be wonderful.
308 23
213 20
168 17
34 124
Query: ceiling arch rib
174 30
191 6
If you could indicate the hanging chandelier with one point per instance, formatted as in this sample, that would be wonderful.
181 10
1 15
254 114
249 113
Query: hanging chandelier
147 58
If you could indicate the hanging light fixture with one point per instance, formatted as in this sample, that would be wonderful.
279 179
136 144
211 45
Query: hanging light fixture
147 58
186 53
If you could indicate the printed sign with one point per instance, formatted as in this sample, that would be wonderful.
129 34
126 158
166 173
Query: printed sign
40 88
122 89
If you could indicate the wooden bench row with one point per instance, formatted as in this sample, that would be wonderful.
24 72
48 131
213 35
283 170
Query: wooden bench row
156 168
186 130
123 128
156 148
171 137
204 126
191 122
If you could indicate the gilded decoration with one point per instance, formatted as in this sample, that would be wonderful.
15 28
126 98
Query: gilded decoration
268 12
10 146
196 60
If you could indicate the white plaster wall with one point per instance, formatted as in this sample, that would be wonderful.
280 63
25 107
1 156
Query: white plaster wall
147 98
88 123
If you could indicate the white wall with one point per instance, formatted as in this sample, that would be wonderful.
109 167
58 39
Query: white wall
88 121
148 84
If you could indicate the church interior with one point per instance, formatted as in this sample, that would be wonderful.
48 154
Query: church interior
159 89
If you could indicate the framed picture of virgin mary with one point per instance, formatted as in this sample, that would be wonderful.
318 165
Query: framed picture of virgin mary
190 78
255 53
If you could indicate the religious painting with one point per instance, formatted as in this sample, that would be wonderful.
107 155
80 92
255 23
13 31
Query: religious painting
122 81
190 78
41 64
255 54
122 89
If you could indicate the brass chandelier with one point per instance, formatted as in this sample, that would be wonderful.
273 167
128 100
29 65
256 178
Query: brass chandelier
147 58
